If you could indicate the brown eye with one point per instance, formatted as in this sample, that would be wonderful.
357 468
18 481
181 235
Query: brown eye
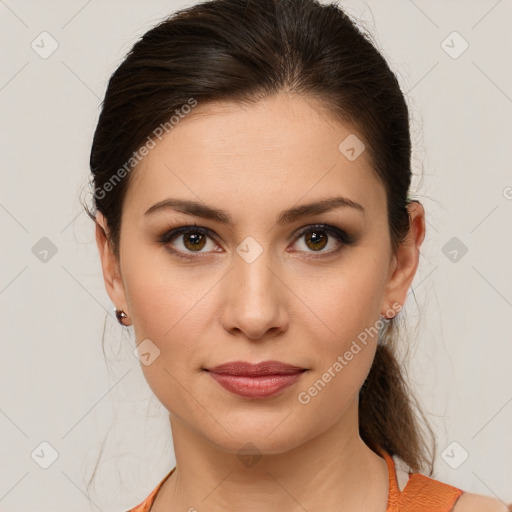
186 240
317 239
194 241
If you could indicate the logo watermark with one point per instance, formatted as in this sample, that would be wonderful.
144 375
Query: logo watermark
304 397
137 156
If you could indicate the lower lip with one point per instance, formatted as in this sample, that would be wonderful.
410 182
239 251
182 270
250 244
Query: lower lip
262 386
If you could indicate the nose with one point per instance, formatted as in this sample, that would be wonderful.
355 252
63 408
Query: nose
255 298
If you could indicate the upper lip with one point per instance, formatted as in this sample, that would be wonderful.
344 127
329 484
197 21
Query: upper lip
249 369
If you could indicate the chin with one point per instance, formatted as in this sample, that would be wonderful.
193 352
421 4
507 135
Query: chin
256 436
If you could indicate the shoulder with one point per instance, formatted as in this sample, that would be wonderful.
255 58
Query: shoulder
478 503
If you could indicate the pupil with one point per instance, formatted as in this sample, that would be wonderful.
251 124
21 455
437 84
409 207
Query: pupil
194 240
317 239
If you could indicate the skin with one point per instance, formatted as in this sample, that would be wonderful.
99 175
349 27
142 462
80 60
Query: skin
286 305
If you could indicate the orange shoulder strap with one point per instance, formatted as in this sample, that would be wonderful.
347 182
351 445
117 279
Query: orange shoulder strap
424 493
420 492
146 504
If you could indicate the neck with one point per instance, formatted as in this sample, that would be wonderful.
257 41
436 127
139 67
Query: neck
333 468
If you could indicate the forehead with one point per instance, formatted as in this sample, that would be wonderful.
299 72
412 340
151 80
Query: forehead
279 151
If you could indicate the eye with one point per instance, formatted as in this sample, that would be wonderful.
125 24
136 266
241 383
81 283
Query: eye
317 237
192 238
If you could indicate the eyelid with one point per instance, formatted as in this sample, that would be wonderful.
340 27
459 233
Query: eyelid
328 228
171 233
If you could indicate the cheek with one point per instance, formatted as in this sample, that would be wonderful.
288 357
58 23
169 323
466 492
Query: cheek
162 297
343 310
171 308
166 312
343 355
342 302
327 393
172 319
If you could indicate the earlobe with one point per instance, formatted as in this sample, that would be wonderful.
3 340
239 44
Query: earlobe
109 264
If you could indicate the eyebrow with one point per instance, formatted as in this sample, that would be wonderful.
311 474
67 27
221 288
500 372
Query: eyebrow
208 212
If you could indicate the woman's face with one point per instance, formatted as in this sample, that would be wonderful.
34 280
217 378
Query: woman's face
262 286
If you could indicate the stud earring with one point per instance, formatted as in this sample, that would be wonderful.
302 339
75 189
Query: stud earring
120 314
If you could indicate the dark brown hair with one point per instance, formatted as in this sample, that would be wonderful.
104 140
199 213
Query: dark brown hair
245 51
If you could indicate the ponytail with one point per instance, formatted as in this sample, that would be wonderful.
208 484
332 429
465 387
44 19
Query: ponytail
387 419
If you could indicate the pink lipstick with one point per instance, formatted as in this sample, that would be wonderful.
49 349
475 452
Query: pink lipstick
261 380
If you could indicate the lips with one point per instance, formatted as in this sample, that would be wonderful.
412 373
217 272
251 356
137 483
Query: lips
243 368
256 381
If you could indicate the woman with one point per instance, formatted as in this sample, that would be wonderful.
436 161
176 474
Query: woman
251 170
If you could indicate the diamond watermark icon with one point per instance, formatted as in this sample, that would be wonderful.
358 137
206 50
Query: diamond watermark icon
249 455
454 249
351 147
454 455
44 249
454 45
146 352
44 45
44 455
249 250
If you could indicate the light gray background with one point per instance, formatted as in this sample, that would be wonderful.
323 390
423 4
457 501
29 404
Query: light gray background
55 387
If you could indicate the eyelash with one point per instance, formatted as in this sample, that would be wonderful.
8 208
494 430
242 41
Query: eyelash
341 236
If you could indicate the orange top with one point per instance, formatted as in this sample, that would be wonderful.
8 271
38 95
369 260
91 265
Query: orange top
419 493
146 504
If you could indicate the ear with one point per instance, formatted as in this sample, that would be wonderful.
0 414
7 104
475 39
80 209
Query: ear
405 261
110 266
